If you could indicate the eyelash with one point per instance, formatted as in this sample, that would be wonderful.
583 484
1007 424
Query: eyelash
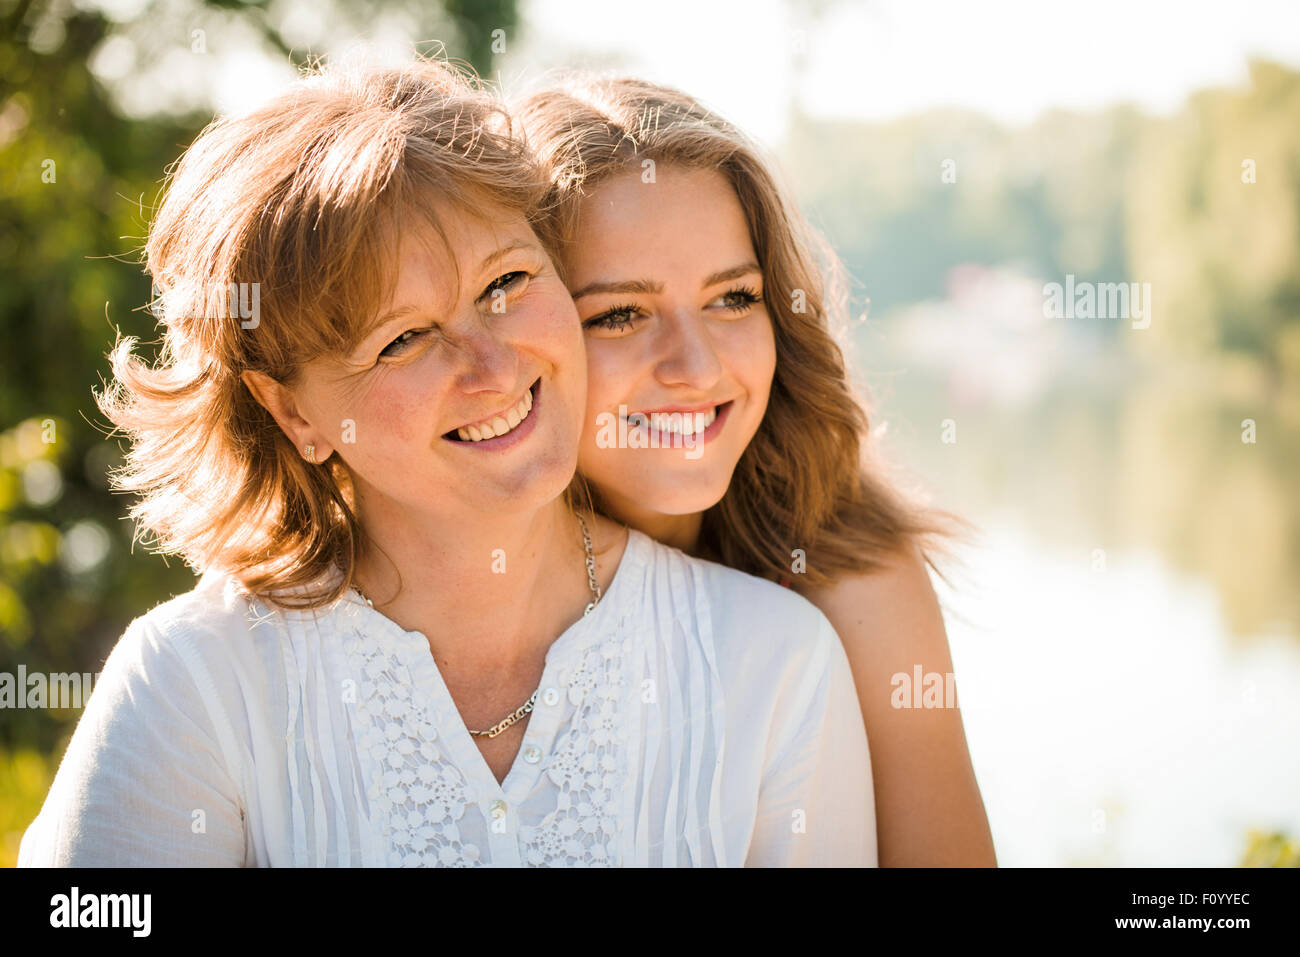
748 297
496 284
607 320
401 341
513 278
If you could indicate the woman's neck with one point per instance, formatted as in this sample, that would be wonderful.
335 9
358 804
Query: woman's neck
491 592
677 531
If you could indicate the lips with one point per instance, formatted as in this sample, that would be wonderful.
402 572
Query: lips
497 426
680 423
672 425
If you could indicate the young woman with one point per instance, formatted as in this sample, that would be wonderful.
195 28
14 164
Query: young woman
405 648
709 347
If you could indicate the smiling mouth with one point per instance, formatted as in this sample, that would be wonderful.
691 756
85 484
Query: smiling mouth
498 425
680 424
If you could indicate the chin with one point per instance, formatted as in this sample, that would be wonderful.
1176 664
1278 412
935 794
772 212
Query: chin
670 497
536 485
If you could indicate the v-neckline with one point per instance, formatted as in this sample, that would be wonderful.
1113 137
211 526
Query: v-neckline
417 655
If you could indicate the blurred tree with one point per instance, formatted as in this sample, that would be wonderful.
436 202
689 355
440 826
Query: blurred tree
485 28
1213 441
72 175
1214 220
905 201
1204 207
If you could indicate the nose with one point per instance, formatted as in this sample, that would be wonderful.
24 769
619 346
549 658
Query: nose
489 361
686 353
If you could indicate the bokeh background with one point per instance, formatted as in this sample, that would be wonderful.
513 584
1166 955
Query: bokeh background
1126 628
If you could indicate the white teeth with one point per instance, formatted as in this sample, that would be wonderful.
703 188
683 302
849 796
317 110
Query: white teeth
682 423
501 424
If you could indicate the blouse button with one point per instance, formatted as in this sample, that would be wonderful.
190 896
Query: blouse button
532 754
551 696
498 809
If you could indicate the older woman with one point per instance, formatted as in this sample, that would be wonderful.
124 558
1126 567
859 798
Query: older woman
406 646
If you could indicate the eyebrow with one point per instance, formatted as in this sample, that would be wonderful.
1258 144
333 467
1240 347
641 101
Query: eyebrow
650 287
487 261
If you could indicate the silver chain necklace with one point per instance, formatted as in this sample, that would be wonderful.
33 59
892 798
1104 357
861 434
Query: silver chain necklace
527 706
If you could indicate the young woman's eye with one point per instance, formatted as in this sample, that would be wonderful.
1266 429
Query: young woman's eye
739 300
620 317
504 285
403 343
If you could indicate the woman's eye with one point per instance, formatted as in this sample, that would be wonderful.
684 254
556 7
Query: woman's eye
620 317
403 342
739 300
503 285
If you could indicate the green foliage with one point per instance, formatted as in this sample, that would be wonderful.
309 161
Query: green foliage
25 777
485 27
70 226
1270 850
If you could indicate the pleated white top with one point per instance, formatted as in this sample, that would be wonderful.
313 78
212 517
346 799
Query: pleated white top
697 717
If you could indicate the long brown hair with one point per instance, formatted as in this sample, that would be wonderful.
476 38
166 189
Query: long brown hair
809 479
304 201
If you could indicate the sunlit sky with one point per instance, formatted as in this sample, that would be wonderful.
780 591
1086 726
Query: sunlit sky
756 60
1011 59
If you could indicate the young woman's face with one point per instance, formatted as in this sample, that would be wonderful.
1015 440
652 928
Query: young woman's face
470 394
680 350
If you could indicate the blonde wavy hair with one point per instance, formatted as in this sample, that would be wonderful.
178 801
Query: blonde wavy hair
809 479
305 198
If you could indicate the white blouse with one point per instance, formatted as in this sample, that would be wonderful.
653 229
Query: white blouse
697 717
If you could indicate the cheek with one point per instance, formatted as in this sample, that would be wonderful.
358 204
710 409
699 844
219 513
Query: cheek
568 355
553 324
619 369
607 380
398 410
751 357
766 360
603 377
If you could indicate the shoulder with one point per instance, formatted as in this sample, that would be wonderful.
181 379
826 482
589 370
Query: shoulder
213 639
739 615
750 605
151 745
157 654
899 589
743 596
887 617
215 611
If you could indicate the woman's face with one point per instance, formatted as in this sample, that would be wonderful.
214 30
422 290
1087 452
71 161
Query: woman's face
680 350
468 393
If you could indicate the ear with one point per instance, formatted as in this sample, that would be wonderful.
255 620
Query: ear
278 399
